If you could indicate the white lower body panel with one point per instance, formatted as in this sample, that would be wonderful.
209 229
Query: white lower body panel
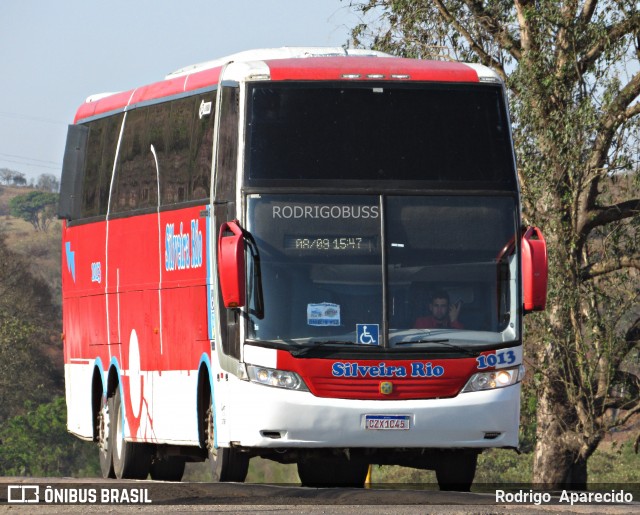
77 378
253 415
159 407
257 413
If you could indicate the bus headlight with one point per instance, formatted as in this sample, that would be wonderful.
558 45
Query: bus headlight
494 379
276 378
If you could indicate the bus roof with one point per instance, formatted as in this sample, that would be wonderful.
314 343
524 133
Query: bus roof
281 64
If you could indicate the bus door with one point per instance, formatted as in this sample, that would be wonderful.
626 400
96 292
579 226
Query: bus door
225 209
223 324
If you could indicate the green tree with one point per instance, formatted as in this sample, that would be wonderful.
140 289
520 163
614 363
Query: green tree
36 207
38 444
48 182
12 177
29 326
6 175
572 71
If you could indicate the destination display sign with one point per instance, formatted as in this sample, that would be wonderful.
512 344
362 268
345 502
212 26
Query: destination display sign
343 243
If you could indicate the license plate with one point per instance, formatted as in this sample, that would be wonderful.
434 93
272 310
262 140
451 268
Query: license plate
387 422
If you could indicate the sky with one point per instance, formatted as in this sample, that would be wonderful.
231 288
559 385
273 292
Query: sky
55 53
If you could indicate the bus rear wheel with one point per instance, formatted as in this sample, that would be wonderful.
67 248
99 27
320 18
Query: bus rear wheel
456 469
227 464
130 460
105 442
332 472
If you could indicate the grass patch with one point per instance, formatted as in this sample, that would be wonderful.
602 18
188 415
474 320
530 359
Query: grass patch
41 250
260 471
614 463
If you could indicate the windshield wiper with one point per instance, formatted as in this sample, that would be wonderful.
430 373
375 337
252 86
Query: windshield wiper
333 342
305 349
444 342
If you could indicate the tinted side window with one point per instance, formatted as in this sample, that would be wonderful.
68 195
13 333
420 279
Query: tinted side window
181 135
185 166
202 146
136 184
175 156
101 150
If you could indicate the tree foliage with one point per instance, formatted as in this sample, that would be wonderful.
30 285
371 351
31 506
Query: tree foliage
573 75
29 325
36 207
37 444
48 182
12 177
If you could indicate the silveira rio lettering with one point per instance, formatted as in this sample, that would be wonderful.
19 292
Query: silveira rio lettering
417 369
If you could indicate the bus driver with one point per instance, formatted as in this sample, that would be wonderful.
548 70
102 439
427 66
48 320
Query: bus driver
443 314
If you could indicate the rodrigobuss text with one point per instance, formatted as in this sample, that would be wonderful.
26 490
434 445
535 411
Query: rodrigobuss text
314 256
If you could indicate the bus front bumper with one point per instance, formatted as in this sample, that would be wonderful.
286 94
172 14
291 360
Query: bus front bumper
266 417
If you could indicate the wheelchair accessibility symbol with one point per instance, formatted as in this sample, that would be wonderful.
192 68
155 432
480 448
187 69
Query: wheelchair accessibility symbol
368 334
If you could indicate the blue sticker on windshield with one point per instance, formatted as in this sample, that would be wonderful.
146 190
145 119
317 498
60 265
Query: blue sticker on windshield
368 334
323 314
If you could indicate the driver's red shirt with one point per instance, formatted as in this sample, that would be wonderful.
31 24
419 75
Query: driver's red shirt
431 322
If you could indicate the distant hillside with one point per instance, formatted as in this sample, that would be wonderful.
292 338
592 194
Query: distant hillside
41 249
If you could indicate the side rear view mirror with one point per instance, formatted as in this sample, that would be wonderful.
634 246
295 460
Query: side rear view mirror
231 267
535 270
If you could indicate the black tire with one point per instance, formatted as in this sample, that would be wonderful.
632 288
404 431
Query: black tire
334 472
105 443
130 460
167 469
456 469
227 464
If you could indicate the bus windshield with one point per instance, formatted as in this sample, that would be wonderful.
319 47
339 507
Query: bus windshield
445 264
441 134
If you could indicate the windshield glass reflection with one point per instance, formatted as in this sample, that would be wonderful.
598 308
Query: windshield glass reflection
450 267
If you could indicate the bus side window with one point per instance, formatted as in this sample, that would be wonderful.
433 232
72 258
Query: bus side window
186 166
101 151
202 146
136 177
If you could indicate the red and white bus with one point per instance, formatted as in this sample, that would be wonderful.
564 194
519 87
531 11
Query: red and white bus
311 255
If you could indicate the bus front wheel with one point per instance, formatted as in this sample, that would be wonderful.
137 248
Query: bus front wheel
332 472
227 464
456 469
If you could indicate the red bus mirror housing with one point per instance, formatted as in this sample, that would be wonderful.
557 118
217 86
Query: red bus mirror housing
535 270
231 265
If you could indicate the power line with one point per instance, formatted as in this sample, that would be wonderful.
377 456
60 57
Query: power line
18 116
36 163
31 159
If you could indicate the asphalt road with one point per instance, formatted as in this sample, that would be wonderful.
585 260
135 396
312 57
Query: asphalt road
160 497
